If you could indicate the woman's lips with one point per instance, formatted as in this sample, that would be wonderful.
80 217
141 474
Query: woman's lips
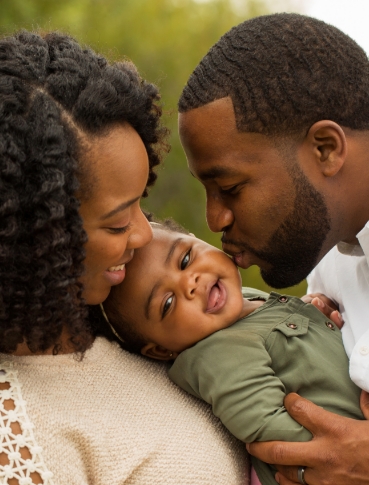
216 298
115 274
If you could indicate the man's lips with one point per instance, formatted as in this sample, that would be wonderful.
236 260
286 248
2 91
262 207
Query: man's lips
244 259
241 258
217 297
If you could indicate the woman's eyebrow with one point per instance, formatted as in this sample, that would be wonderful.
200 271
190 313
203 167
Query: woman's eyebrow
120 207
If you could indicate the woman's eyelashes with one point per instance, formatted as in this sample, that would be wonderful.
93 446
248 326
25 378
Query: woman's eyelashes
119 230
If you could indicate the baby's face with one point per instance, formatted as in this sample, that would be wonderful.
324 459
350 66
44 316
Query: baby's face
179 289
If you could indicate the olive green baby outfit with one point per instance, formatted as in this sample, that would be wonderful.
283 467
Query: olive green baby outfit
245 371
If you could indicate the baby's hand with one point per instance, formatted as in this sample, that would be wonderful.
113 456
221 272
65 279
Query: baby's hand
326 306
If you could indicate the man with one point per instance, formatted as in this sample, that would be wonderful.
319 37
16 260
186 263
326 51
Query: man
275 124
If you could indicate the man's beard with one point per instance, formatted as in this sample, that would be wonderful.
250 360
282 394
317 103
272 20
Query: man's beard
294 248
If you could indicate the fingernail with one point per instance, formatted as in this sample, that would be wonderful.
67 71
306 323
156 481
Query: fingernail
276 478
247 447
340 317
320 303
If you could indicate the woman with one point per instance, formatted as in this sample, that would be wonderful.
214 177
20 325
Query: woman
79 139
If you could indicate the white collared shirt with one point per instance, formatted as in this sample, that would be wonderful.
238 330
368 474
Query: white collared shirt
343 276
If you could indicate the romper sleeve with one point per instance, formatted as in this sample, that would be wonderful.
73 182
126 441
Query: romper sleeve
232 372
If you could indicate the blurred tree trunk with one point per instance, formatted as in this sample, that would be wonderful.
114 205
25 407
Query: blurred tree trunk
165 39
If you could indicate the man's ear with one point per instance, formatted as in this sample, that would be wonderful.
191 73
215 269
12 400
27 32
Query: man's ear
155 351
329 143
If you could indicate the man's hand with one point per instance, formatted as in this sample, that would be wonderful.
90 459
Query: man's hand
338 454
364 403
326 306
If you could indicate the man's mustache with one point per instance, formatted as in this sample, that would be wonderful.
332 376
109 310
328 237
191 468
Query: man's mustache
233 242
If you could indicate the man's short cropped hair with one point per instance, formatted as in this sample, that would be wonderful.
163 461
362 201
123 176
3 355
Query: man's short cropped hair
284 72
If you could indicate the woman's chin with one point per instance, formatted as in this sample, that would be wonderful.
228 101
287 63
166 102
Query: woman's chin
96 296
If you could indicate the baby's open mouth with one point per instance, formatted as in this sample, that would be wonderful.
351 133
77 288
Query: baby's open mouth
216 297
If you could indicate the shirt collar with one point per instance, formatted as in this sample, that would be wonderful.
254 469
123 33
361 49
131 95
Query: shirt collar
363 237
357 249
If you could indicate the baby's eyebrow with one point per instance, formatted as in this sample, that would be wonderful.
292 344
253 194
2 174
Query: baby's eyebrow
151 296
158 283
171 250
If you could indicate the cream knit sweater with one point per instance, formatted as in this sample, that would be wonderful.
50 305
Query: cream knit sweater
113 418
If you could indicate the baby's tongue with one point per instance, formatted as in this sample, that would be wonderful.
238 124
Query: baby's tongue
213 297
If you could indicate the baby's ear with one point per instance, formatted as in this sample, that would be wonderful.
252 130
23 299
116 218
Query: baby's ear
155 351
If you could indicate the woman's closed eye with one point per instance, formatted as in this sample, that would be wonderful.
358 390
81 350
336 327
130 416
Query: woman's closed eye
119 230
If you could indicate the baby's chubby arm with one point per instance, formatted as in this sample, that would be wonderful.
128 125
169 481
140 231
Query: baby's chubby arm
235 376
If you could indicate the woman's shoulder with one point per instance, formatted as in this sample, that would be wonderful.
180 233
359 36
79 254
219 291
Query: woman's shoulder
131 419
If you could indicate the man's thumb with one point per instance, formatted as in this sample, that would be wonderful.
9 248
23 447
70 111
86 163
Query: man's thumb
364 403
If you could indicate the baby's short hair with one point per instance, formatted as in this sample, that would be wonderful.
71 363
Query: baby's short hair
167 224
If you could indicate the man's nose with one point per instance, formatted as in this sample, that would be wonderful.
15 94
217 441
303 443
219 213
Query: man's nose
218 216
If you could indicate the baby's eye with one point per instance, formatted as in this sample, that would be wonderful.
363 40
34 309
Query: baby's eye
186 260
167 305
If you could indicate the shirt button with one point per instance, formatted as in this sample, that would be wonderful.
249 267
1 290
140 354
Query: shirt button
292 325
330 325
283 299
364 350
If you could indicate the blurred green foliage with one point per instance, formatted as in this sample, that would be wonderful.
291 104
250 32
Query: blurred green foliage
165 39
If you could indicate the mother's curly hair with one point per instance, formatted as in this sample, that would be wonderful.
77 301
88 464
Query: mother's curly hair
52 91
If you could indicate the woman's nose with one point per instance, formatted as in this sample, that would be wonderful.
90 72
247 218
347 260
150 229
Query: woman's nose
218 216
141 233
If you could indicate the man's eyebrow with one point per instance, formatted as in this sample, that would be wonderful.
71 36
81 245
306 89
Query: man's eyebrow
216 172
120 207
158 283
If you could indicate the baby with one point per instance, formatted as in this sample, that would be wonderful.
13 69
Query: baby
239 349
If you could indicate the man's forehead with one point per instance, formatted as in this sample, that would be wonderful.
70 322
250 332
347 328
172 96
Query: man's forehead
208 121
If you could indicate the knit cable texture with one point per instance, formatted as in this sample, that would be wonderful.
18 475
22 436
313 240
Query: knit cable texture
24 461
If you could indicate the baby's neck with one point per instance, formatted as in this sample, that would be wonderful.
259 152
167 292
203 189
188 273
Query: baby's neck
250 306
